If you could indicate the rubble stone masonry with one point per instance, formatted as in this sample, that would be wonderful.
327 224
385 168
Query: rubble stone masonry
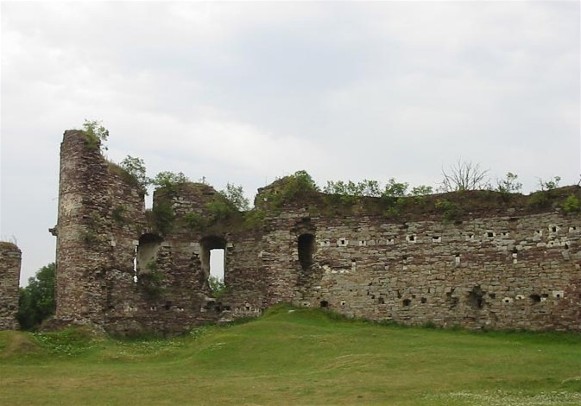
476 260
10 260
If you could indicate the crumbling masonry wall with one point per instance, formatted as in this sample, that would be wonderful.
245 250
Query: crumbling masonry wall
500 264
10 261
503 272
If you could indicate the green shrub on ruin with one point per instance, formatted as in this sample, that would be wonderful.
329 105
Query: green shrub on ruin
509 184
163 216
299 184
349 192
291 188
217 287
169 181
135 168
551 184
235 195
96 134
449 210
539 200
220 209
421 190
571 204
253 218
194 221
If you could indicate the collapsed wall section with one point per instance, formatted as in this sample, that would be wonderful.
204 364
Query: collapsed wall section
10 261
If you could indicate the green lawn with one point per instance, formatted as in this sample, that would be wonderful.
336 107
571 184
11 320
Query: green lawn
299 357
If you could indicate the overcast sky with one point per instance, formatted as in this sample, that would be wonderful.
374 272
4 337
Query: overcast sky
248 92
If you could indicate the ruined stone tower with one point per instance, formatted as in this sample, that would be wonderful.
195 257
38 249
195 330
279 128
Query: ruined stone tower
10 260
90 243
476 259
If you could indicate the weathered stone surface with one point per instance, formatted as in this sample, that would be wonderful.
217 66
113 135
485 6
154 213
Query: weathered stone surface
10 260
496 266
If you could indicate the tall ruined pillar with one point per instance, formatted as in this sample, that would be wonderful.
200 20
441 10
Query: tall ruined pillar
83 246
10 260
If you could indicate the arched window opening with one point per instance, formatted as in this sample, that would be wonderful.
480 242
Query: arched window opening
213 259
306 250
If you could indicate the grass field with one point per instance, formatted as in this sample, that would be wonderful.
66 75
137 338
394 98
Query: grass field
294 357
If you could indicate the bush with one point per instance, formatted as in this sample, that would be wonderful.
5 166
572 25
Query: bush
169 180
220 209
163 217
509 184
37 299
421 190
136 168
539 200
235 194
194 221
395 189
292 187
571 204
253 218
217 286
96 134
450 210
550 184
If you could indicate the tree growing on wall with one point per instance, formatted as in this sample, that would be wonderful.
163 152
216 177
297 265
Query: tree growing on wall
549 184
464 175
37 299
235 194
135 166
509 184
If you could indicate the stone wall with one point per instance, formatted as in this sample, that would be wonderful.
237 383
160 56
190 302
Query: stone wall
10 260
499 273
476 259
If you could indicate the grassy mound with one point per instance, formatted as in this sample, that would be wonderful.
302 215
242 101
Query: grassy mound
16 344
297 356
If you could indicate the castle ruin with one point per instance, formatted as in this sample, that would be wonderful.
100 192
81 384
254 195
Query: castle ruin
477 259
10 261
